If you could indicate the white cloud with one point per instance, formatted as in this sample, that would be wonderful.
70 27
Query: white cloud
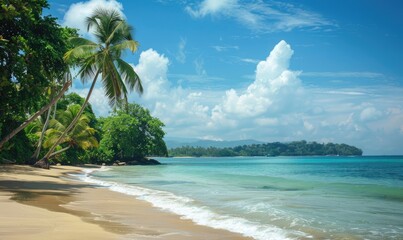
274 89
343 74
212 138
152 69
249 60
78 12
181 55
370 113
98 99
199 67
276 106
260 15
267 121
211 7
176 107
308 126
224 48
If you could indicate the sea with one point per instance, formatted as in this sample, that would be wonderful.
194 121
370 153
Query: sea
324 197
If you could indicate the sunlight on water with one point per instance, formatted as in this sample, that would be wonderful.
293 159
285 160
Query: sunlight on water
274 198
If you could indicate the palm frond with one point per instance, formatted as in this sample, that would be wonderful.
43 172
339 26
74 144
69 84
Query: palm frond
88 69
114 86
132 45
79 41
74 55
56 125
129 76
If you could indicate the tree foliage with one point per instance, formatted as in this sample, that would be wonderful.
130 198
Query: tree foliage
297 148
31 57
132 134
103 58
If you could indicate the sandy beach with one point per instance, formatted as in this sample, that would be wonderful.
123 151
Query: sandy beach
50 204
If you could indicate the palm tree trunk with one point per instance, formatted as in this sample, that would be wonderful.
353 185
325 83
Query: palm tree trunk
54 112
52 149
45 126
60 151
37 114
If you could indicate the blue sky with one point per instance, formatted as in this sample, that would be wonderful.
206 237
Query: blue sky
266 70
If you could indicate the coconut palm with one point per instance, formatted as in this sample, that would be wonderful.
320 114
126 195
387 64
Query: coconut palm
82 136
52 102
51 89
103 58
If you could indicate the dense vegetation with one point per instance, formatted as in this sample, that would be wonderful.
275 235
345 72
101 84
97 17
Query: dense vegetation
31 67
38 121
298 148
125 135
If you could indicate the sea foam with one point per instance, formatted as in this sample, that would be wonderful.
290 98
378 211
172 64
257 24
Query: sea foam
187 208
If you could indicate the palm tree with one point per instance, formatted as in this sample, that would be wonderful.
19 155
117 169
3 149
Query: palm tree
67 77
66 86
103 57
83 136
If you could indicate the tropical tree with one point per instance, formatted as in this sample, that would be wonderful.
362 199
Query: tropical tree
32 46
132 135
51 90
103 58
36 115
81 137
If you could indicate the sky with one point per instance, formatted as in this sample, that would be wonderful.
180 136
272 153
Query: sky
315 70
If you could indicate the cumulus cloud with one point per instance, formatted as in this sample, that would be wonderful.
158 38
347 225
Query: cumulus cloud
267 101
276 106
78 12
275 89
98 99
174 105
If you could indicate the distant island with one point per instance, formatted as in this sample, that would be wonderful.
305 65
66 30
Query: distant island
296 148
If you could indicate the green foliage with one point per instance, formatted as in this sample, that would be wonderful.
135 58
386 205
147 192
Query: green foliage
103 57
298 148
132 135
83 137
33 50
74 98
113 36
18 149
31 57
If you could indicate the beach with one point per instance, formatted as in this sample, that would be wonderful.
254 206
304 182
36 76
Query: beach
50 204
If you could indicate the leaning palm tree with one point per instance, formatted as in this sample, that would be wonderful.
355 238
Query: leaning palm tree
66 78
82 137
52 102
103 58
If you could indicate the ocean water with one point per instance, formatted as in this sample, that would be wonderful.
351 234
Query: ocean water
273 198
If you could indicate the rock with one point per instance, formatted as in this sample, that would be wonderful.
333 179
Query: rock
144 161
58 164
43 163
103 164
154 162
121 163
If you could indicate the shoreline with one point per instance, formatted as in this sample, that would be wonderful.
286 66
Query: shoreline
38 203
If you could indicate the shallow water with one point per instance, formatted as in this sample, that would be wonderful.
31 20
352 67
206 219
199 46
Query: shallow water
274 198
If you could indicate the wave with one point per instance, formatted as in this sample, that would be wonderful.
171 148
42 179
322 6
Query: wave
187 208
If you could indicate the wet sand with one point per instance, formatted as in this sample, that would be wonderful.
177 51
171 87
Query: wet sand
49 204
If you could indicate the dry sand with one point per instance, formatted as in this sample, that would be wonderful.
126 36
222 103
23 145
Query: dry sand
48 204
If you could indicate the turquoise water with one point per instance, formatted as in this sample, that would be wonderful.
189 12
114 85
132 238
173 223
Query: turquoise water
274 198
